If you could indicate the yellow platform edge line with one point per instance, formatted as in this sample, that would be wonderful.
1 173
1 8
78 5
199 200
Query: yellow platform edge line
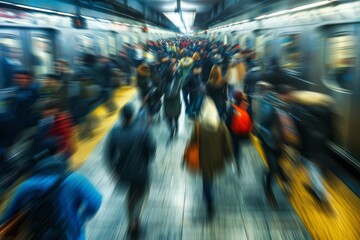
342 222
84 148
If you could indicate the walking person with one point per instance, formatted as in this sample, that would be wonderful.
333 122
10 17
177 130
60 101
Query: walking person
55 203
129 151
215 149
216 88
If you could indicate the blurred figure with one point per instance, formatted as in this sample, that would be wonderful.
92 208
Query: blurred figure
56 203
215 149
274 75
315 119
66 78
172 99
216 88
129 151
55 125
8 66
184 70
239 125
25 96
51 88
235 73
270 134
143 80
124 63
253 76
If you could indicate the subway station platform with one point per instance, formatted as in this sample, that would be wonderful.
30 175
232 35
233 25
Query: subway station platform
175 208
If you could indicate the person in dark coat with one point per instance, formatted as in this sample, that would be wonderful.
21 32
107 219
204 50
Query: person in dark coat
143 79
215 149
25 96
274 75
129 150
124 63
253 76
269 132
216 88
314 115
172 99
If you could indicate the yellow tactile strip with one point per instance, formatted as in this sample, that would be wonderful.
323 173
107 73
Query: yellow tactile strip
84 148
342 222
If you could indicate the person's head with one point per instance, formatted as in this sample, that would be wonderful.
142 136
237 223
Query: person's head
215 77
238 96
50 108
23 78
127 113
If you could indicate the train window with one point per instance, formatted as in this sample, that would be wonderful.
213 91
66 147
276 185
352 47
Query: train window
84 44
103 46
290 54
12 58
340 61
112 45
42 54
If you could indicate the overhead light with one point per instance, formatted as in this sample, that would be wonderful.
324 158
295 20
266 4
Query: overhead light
88 18
104 20
278 13
260 17
37 9
312 5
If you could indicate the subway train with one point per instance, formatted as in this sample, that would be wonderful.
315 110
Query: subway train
318 50
34 40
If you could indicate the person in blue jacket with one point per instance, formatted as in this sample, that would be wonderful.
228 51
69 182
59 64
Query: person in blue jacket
78 199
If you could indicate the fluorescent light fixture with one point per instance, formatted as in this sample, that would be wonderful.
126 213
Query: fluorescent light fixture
312 5
260 17
277 13
37 9
88 18
104 20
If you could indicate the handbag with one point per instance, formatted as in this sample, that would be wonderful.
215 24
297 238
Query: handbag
192 153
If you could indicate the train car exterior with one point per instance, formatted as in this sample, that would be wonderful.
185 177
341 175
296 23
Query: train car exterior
319 51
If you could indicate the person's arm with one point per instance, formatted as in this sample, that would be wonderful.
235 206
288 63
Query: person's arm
88 195
150 145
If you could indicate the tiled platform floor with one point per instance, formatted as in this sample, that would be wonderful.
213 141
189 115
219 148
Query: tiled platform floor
175 208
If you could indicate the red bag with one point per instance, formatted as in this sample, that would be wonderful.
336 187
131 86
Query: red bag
240 122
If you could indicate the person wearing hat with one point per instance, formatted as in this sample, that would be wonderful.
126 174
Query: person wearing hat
129 149
75 199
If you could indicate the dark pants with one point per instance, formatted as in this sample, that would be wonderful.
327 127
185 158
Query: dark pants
236 140
207 191
135 200
196 99
272 158
185 94
173 123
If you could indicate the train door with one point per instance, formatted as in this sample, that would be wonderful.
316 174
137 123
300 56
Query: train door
11 55
264 47
42 52
83 44
112 44
340 77
102 43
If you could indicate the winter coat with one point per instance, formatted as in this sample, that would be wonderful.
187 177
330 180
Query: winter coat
129 151
78 198
215 142
252 77
172 105
143 80
314 117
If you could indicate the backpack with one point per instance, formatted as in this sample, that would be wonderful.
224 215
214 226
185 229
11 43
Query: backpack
43 215
288 130
240 122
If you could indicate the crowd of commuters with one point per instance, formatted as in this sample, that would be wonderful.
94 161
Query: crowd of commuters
225 93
